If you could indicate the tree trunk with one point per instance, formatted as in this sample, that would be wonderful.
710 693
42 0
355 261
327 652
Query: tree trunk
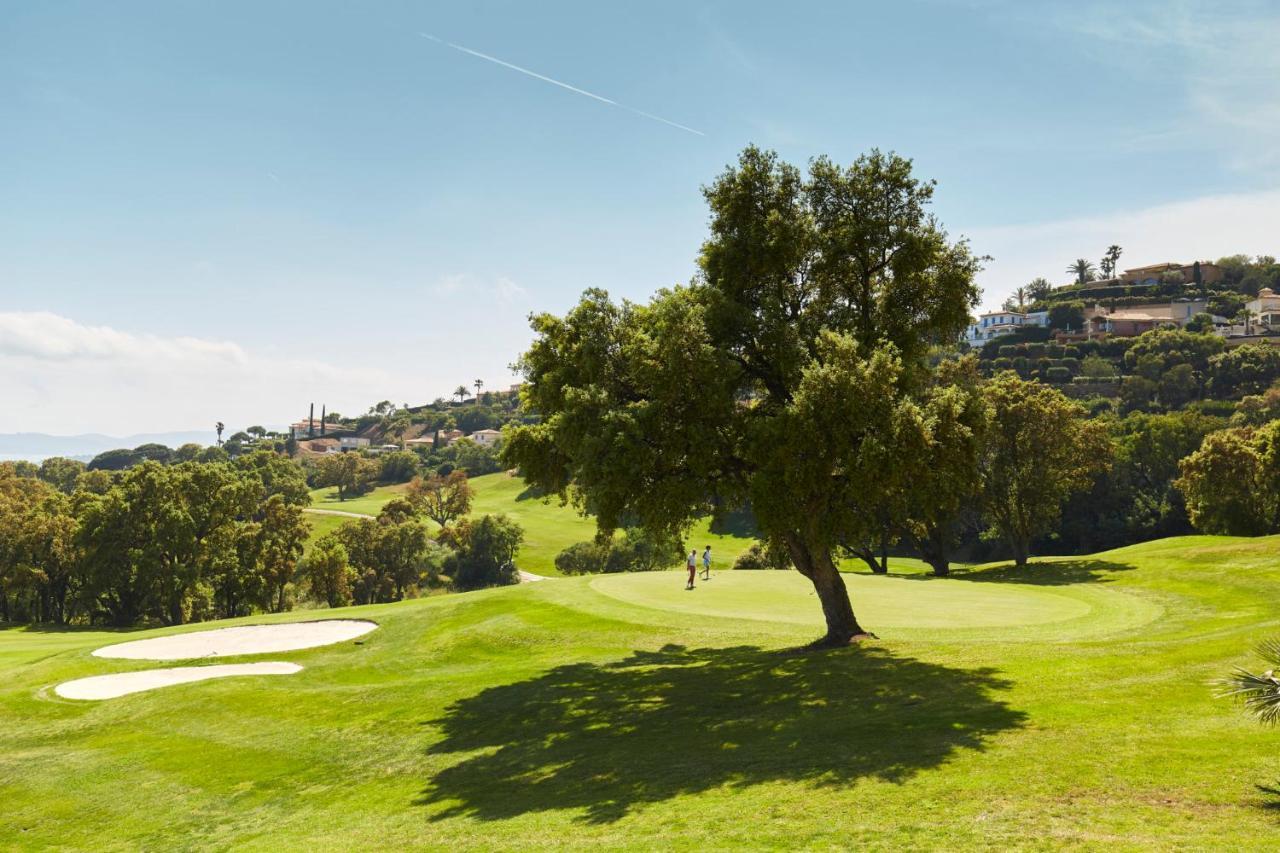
868 556
1021 549
935 550
816 564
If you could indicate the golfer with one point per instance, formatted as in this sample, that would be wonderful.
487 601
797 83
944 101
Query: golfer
692 564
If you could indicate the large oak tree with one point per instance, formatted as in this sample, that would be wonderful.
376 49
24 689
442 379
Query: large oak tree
783 374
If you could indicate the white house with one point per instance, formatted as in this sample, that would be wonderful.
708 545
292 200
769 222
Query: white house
486 437
352 442
993 324
1265 310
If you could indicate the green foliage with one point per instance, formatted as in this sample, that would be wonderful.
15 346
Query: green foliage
1258 692
1097 367
398 467
351 473
633 551
1058 375
485 551
113 460
328 572
61 473
1248 369
763 555
778 377
1066 315
1232 483
1258 409
1042 448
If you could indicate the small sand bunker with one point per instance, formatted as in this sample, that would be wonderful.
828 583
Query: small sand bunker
124 683
242 640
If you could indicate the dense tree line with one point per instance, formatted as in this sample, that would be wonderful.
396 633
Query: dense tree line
189 541
167 543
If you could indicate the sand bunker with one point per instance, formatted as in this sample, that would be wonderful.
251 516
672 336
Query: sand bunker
242 640
124 683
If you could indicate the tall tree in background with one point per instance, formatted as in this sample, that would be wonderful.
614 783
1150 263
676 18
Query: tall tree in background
219 427
1110 261
1083 270
1041 448
1232 483
946 484
460 392
780 376
1038 288
442 499
1017 302
478 383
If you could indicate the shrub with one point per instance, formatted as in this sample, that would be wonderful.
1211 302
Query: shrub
1035 350
1072 364
1003 364
1058 374
1054 350
1096 367
635 550
1021 364
1071 351
763 556
398 467
1008 351
582 558
486 551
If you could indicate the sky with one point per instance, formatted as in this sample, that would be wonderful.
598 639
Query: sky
227 211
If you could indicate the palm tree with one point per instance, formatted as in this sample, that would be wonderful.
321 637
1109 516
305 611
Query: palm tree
479 383
1083 270
1259 693
1111 260
1244 317
460 392
219 426
1038 288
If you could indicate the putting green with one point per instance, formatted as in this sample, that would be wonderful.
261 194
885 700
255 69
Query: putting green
897 602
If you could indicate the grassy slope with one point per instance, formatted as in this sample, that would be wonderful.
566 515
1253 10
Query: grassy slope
614 710
548 527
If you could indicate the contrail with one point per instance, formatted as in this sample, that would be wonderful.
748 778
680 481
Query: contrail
546 79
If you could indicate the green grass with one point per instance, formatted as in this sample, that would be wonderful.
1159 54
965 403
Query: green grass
367 504
1067 706
548 526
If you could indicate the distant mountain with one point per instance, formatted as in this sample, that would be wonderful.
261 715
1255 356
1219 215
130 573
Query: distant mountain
35 446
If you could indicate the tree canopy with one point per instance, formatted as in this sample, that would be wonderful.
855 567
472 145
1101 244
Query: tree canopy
783 374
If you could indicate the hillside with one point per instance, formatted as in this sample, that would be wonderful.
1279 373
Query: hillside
1067 706
549 527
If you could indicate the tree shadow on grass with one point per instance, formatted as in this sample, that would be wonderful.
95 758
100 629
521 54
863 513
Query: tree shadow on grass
606 738
1057 573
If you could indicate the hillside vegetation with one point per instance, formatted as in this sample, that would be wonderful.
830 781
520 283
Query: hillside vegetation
1067 705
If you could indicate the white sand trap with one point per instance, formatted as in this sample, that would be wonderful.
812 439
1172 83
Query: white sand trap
243 640
124 683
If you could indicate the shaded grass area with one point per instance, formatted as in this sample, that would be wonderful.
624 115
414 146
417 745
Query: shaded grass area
605 739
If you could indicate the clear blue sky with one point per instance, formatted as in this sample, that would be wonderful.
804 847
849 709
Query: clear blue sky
316 195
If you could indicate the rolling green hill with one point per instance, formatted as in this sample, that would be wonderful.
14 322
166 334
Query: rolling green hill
1069 705
549 528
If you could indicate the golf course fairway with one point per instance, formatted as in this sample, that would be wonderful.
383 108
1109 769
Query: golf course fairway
1070 704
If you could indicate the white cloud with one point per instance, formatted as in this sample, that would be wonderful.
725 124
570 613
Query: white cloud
60 376
46 336
1198 229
